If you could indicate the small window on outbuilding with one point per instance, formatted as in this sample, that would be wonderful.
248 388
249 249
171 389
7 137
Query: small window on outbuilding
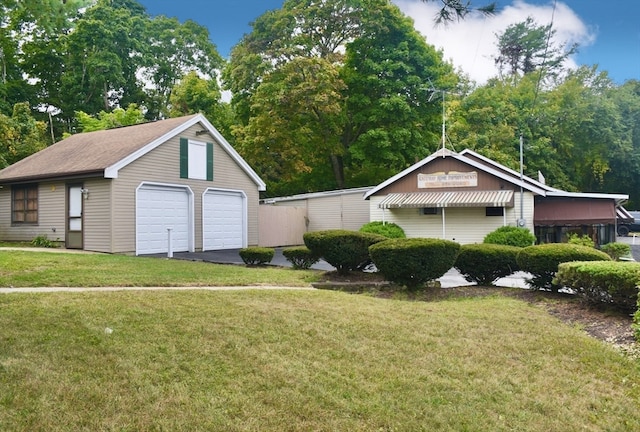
24 204
196 160
494 211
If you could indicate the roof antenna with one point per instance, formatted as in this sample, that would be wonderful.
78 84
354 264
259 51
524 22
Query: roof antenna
434 91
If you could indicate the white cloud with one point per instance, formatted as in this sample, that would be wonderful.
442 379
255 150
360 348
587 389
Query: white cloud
471 43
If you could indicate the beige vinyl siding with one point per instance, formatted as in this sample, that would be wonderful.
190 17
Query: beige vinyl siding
51 214
324 213
464 225
344 211
97 216
355 211
162 165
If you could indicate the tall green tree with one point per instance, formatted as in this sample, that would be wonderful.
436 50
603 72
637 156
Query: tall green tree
195 94
525 47
20 135
350 78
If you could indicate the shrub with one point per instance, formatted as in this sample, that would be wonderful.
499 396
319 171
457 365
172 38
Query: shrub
256 255
387 229
616 250
511 236
415 261
614 284
542 261
300 256
583 240
485 263
343 249
43 241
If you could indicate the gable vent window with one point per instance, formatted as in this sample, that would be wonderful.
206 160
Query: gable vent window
494 211
196 160
24 204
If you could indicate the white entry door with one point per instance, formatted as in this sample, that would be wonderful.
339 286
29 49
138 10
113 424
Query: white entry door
224 220
158 210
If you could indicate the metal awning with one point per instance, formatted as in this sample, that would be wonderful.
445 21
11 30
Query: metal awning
500 198
552 212
623 215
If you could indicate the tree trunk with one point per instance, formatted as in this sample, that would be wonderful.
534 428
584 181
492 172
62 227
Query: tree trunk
337 166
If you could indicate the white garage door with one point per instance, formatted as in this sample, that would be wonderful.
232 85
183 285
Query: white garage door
223 220
157 209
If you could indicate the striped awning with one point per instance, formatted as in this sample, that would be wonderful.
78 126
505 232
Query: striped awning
623 215
500 198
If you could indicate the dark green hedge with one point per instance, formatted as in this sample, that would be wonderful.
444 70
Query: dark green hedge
484 263
511 236
256 255
300 256
345 250
387 229
413 262
611 283
542 261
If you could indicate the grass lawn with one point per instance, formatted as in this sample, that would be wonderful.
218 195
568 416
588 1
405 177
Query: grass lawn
56 269
295 360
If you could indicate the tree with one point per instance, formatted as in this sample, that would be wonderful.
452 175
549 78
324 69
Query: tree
457 10
525 47
173 50
20 135
335 92
109 120
194 94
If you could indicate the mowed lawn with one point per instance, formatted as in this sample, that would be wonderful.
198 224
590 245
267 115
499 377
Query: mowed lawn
300 361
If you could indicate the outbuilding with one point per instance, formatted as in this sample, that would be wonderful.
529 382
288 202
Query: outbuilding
464 196
174 184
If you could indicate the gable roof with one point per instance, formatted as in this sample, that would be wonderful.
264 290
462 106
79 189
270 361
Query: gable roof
494 168
443 152
105 152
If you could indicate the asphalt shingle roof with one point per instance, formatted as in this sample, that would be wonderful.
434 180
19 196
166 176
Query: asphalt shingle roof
89 152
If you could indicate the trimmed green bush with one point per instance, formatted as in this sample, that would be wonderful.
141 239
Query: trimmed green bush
583 240
485 263
511 236
345 250
256 255
300 257
542 261
616 250
387 229
414 261
609 283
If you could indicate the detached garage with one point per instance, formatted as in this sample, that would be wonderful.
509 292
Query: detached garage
126 190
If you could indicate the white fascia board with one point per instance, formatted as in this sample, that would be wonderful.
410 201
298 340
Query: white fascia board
619 198
112 171
232 152
514 179
505 168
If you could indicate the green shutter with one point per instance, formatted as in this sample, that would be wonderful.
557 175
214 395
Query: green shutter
184 158
209 161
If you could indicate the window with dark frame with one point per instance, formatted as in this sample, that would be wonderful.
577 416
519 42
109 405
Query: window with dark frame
24 204
494 211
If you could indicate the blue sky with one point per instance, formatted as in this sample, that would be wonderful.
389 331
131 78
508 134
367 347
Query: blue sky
608 32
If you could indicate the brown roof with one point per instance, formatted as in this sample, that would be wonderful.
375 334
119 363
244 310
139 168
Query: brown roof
89 153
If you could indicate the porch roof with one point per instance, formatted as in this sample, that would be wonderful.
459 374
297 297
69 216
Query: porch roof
499 198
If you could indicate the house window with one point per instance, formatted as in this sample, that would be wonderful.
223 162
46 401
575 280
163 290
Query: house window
196 160
24 204
494 211
430 211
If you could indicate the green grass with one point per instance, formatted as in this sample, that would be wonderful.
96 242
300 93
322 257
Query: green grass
56 269
300 361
